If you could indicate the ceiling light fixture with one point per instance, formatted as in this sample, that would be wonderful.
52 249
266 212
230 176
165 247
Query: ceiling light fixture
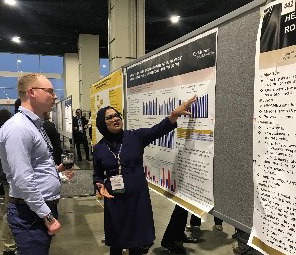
16 39
10 2
175 19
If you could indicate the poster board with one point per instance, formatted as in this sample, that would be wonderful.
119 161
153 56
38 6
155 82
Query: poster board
181 162
59 117
274 134
67 120
107 91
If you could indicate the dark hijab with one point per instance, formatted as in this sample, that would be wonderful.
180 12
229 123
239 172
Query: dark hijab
113 140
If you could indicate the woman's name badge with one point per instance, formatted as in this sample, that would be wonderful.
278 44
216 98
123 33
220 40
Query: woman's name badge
117 184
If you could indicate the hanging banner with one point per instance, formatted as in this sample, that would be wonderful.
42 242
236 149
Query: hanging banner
105 92
180 164
274 138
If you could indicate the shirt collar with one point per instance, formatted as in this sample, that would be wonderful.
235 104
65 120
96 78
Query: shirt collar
33 116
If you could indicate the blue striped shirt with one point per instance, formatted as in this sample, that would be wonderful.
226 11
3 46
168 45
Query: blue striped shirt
27 163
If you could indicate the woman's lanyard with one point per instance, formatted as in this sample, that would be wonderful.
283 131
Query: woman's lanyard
117 157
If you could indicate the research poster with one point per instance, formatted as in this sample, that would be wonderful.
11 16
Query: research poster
181 162
60 117
68 117
105 92
274 137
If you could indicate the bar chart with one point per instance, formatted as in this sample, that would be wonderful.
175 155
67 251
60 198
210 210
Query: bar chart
167 181
199 108
149 176
166 141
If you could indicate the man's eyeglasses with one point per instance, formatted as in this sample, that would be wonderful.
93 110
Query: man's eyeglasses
111 116
47 90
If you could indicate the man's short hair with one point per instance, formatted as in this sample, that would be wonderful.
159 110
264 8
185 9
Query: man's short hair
26 81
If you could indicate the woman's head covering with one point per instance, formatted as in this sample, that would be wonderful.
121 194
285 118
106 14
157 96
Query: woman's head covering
102 126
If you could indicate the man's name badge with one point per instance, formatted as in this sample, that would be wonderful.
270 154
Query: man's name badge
117 184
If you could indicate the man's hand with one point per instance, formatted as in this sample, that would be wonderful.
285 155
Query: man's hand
60 167
75 128
69 173
53 227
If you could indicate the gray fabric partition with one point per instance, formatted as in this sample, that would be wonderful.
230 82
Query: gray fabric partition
233 160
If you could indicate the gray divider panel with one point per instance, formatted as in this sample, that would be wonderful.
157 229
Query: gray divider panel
233 160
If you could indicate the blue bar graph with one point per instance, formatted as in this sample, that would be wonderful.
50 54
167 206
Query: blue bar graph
167 141
199 108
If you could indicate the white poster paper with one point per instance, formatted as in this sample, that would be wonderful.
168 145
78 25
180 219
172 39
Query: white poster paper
181 162
274 139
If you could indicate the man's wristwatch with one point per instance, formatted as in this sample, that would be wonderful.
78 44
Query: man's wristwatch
48 218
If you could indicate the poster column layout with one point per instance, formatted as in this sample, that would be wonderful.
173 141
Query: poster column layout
105 92
274 139
181 162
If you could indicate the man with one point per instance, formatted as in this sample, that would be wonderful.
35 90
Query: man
7 242
54 138
174 235
26 156
80 124
51 132
17 105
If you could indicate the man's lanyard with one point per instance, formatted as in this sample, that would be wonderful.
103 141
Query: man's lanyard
80 127
117 157
43 134
46 139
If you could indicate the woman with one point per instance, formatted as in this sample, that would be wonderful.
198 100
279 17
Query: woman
119 177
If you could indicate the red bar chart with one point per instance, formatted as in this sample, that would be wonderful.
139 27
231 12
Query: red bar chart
167 181
150 176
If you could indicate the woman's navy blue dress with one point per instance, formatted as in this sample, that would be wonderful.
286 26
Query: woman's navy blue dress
128 217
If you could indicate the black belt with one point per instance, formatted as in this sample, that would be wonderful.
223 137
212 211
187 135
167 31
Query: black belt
15 200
